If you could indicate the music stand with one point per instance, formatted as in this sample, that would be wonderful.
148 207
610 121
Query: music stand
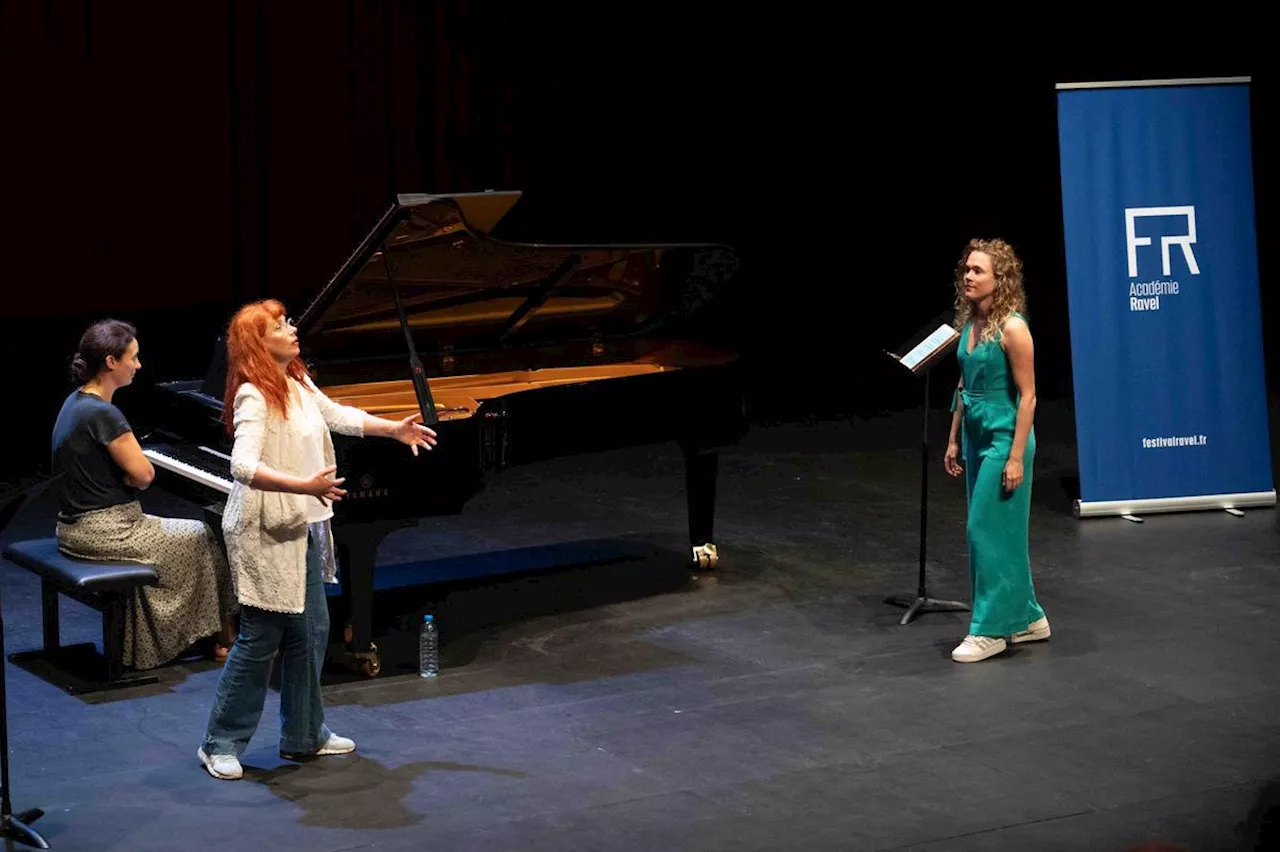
923 351
14 827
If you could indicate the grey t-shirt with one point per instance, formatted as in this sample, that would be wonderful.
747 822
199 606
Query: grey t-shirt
85 425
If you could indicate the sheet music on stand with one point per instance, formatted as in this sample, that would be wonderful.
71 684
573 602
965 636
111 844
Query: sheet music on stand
929 344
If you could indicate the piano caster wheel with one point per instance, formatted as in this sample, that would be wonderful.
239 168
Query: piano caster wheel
368 663
705 556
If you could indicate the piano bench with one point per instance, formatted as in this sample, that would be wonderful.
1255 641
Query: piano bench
105 586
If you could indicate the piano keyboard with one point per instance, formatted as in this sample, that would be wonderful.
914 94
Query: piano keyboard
210 468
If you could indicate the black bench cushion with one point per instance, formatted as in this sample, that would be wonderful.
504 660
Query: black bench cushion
42 557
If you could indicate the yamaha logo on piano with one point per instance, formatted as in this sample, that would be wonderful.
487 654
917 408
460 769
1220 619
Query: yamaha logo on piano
366 493
367 490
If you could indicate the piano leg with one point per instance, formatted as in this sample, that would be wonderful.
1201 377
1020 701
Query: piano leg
700 485
358 552
359 547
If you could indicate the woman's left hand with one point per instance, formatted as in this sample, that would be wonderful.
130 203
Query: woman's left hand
1012 474
410 431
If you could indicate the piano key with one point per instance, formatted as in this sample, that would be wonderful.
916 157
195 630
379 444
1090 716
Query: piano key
210 478
198 456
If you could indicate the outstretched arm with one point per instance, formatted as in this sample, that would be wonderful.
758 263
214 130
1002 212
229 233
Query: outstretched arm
349 420
250 423
407 431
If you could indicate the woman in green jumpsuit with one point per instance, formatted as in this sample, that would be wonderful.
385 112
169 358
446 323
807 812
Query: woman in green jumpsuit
993 411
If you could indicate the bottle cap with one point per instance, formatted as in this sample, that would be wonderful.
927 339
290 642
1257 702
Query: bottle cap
427 618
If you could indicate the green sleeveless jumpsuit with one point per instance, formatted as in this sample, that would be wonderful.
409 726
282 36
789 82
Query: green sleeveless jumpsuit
1004 601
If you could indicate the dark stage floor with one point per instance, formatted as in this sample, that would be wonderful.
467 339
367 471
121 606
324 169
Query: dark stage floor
773 704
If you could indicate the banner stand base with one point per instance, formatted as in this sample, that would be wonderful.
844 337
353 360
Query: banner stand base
1132 510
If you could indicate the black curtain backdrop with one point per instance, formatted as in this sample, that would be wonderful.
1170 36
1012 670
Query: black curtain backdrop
166 162
173 155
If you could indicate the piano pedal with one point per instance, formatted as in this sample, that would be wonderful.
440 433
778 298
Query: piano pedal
367 663
705 556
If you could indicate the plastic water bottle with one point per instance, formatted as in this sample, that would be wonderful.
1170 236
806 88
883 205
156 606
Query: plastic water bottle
428 648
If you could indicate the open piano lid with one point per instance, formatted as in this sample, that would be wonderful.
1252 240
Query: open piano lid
462 288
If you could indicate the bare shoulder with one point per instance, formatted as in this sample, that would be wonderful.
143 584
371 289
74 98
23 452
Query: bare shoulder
1016 325
1016 331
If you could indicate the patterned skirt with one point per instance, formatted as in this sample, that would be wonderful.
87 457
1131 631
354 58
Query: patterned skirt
195 583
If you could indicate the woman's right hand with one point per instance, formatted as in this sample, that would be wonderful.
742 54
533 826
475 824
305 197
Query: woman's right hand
951 461
322 486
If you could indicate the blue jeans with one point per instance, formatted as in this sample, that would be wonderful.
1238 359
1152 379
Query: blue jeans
242 690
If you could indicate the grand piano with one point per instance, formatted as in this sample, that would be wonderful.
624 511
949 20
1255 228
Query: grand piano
512 352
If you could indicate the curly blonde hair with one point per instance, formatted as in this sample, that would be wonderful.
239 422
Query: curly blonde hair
1008 297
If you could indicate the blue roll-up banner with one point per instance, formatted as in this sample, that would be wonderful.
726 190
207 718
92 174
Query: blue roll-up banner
1162 280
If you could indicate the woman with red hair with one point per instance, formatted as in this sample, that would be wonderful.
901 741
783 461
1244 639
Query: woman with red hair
279 542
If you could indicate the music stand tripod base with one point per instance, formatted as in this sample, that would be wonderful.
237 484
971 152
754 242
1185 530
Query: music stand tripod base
918 603
17 828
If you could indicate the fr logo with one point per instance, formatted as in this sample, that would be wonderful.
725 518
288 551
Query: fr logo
1183 241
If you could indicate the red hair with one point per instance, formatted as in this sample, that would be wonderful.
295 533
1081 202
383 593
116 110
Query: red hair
249 361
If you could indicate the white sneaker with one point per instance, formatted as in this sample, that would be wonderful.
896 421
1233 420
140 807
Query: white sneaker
1036 631
224 766
335 745
338 745
975 648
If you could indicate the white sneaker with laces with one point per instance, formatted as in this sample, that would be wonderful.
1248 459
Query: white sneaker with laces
1035 632
224 766
338 745
335 745
975 648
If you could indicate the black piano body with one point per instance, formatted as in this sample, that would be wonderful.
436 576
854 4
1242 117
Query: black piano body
527 351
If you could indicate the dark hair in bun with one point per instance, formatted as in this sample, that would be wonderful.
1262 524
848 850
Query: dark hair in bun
103 338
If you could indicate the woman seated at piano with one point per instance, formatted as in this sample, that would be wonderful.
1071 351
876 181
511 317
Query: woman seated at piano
103 470
279 541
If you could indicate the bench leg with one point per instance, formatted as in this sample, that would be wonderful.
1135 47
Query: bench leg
113 635
80 668
49 606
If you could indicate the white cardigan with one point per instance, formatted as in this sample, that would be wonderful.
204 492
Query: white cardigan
266 531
